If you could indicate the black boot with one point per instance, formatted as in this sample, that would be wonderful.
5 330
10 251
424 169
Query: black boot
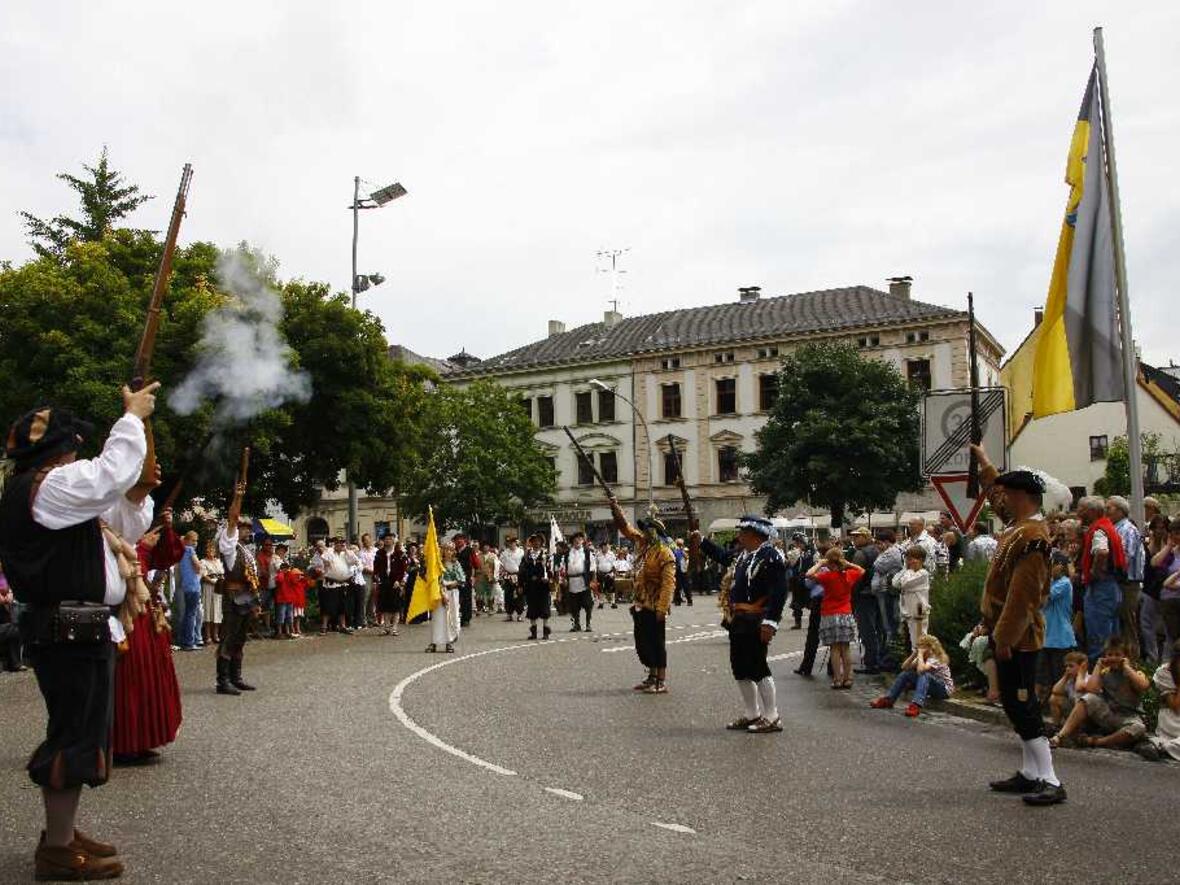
533 632
223 685
235 676
547 632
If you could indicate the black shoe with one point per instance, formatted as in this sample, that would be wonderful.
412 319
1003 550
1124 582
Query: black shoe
547 633
1045 794
576 628
532 632
1018 783
614 605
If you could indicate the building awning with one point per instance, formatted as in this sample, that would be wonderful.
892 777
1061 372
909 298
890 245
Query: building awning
272 528
931 516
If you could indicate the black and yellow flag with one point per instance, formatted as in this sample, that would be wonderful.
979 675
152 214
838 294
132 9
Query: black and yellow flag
1078 354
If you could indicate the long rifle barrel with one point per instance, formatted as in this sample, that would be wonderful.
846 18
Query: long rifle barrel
143 356
589 461
976 429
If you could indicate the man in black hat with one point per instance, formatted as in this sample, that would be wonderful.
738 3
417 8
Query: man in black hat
67 574
1014 593
756 601
533 575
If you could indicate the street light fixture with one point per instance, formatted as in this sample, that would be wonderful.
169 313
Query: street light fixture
651 498
375 200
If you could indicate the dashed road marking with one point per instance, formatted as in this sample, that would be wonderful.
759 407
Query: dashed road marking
565 794
675 828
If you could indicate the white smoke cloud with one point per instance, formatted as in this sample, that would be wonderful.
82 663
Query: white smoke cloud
243 362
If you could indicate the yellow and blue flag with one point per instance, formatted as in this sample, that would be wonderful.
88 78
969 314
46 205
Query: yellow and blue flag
1078 350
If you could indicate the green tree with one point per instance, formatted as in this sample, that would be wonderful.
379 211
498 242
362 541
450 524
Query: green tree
480 463
1116 480
105 198
842 434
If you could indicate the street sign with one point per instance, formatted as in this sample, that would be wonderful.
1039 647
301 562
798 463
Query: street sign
946 429
952 488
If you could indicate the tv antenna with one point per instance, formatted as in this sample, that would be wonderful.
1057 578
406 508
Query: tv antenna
613 256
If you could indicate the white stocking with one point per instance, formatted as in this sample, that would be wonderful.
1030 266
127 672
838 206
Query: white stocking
766 693
749 698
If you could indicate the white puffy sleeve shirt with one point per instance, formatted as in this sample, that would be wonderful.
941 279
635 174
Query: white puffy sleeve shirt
85 490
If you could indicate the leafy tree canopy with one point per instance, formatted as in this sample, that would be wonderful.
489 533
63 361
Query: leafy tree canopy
480 462
843 434
105 199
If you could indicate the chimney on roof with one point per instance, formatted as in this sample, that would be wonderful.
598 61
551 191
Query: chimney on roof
1038 316
611 318
900 286
556 327
747 294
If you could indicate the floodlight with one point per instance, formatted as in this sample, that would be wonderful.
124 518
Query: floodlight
388 194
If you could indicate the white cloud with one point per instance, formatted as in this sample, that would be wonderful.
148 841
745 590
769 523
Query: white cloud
792 145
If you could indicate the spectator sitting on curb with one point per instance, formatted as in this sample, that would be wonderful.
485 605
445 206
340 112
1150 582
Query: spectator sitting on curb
1166 740
1111 704
1071 686
926 672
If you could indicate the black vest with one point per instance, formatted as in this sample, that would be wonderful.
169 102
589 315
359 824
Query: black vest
48 566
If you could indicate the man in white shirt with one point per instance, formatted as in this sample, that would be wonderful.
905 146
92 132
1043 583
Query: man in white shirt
982 546
510 558
606 575
919 535
367 609
581 576
54 552
339 564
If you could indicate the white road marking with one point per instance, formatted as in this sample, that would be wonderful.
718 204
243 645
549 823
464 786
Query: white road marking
675 828
692 637
395 707
786 657
565 794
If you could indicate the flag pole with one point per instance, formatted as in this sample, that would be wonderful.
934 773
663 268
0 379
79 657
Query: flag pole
1130 367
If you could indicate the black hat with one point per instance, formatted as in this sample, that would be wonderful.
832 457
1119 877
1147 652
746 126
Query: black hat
651 522
44 433
1022 481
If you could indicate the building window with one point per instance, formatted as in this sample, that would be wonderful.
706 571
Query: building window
918 373
526 403
726 356
727 464
585 471
916 337
606 405
726 396
670 362
670 400
608 466
1098 446
584 407
671 473
767 392
544 411
869 341
1078 493
767 353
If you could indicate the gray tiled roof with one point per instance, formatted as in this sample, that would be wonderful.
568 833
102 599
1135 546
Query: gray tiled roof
766 318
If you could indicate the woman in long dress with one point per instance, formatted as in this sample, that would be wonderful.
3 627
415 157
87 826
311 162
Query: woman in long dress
212 571
444 618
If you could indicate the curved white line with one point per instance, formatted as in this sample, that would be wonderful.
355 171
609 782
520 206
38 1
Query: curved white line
395 707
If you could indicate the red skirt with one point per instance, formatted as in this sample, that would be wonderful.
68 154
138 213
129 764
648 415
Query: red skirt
147 695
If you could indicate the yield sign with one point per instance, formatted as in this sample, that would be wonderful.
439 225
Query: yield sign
952 488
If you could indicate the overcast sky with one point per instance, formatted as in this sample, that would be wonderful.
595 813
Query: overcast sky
794 146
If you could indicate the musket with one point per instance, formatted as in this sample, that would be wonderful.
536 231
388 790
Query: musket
590 461
694 524
147 343
976 430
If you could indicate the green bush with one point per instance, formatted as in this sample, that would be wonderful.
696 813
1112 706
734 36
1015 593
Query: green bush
954 610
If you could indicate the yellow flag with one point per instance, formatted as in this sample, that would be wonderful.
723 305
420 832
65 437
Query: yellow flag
428 587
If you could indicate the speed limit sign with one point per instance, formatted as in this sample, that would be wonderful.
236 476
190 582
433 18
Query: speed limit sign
946 429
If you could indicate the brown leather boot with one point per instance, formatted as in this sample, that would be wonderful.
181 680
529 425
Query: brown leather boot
57 864
91 846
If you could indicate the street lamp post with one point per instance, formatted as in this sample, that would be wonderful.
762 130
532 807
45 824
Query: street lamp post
651 500
359 284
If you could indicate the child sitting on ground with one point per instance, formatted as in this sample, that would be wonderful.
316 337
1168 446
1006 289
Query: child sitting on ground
926 672
1112 704
913 582
1069 687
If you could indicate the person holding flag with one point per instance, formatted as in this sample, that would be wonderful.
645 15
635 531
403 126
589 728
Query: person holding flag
430 594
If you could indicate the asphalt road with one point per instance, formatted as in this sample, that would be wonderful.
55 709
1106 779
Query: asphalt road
327 774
